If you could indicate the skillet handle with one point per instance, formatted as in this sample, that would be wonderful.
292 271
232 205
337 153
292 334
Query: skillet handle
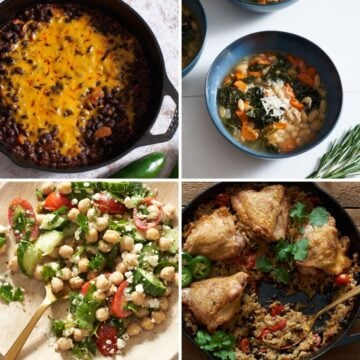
150 139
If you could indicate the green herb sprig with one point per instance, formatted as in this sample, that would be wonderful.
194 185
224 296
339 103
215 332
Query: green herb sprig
342 159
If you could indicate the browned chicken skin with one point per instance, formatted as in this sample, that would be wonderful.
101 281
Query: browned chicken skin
262 214
214 236
215 301
326 251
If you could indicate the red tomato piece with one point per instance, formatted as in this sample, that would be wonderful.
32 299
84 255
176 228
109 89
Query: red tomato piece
342 280
55 201
21 205
105 203
279 326
119 301
85 288
277 309
106 339
250 262
245 345
142 224
222 199
264 333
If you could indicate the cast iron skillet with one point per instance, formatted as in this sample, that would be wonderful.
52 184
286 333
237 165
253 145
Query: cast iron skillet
346 226
161 85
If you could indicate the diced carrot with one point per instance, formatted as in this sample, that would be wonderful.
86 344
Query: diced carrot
311 71
280 125
263 61
296 104
306 79
293 59
240 75
240 85
255 73
248 133
242 116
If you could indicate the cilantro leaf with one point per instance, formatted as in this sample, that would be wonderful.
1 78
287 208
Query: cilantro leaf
319 216
47 273
8 294
83 223
97 262
57 327
300 250
283 250
263 264
84 349
281 275
297 212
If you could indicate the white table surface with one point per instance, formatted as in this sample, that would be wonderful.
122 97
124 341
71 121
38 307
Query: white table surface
162 17
206 154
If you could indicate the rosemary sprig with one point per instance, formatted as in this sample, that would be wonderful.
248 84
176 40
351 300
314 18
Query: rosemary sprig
342 159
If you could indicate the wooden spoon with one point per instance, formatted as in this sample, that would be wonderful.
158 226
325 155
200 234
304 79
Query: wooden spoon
17 346
309 320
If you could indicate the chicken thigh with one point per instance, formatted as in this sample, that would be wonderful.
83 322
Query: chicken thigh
326 251
262 214
215 301
214 236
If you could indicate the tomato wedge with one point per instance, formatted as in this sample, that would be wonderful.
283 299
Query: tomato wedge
279 326
142 224
119 301
245 345
277 309
106 339
107 204
85 288
55 201
22 219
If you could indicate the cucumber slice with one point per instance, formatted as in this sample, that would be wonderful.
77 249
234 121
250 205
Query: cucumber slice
150 249
52 222
28 257
173 235
48 241
152 285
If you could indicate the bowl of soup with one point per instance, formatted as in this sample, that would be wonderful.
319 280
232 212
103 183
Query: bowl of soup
193 34
273 94
263 5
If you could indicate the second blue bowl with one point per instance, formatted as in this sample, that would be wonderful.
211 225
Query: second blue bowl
252 6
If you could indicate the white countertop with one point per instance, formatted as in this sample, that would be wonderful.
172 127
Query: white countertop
206 154
162 17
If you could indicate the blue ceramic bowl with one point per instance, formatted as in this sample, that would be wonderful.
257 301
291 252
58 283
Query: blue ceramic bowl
283 42
250 5
198 12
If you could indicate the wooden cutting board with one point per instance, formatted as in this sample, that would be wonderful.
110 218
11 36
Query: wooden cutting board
160 344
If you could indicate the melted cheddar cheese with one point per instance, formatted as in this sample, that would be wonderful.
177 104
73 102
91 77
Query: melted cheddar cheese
62 65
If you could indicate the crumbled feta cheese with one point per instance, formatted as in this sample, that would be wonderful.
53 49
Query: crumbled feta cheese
108 342
124 254
153 303
68 332
138 247
120 343
86 184
128 228
74 201
139 288
129 203
96 196
17 232
153 260
128 274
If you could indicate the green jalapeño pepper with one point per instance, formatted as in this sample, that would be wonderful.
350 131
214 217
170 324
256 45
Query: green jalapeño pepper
186 277
186 258
200 267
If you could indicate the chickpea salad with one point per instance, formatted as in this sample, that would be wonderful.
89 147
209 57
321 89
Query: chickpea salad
111 247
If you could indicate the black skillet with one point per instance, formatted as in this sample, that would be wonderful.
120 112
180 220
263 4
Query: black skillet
346 226
161 85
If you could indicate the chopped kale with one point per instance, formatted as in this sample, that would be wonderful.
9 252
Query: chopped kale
228 97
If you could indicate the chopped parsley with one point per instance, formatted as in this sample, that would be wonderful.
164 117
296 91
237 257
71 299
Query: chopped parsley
97 262
47 273
9 294
83 223
57 327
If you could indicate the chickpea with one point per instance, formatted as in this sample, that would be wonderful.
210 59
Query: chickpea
147 323
121 267
137 298
92 236
73 214
102 314
104 246
111 236
38 271
83 265
130 260
112 290
152 234
47 187
169 209
176 280
133 329
13 264
99 295
63 344
57 284
76 282
127 243
168 273
142 313
153 212
78 335
91 214
164 243
116 278
66 251
164 303
64 188
158 316
84 205
102 283
65 273
102 223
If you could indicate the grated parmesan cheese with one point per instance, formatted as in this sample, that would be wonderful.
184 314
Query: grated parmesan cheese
275 106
